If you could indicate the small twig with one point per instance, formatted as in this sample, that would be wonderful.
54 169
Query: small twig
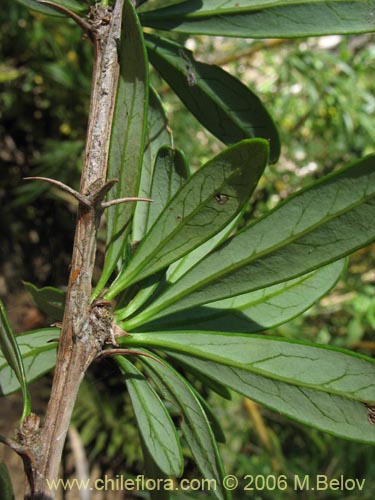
78 20
107 204
126 352
78 196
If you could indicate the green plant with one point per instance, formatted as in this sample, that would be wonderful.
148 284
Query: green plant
183 283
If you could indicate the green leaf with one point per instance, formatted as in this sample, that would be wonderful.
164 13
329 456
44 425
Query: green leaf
127 137
158 135
202 207
38 356
224 105
154 422
6 488
254 311
211 416
327 369
152 471
182 266
13 359
72 5
195 425
264 18
329 219
170 173
336 415
50 300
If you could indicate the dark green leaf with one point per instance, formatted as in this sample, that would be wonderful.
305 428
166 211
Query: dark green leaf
205 204
154 422
38 356
127 137
224 105
50 300
265 18
6 489
255 311
72 5
158 135
13 360
322 223
323 368
195 426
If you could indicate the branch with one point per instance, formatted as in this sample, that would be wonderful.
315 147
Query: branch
86 327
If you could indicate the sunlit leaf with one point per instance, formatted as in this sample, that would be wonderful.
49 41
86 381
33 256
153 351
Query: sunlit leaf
223 104
205 204
264 18
329 219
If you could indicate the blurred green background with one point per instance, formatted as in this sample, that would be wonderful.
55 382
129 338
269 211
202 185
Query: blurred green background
320 93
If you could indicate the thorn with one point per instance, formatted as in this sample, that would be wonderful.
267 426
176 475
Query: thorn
53 340
97 196
107 204
78 196
78 20
57 324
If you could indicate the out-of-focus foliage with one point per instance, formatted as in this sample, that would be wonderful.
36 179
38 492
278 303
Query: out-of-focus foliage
44 97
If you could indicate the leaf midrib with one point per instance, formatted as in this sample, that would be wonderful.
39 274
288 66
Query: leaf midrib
207 355
255 256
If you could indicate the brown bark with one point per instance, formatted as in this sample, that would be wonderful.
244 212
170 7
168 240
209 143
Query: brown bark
86 326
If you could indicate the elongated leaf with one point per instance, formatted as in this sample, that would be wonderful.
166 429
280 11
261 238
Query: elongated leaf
50 300
13 359
152 471
6 488
171 171
265 18
195 426
201 208
322 223
154 422
323 368
337 415
255 311
38 356
211 416
72 5
182 266
158 135
127 137
224 105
